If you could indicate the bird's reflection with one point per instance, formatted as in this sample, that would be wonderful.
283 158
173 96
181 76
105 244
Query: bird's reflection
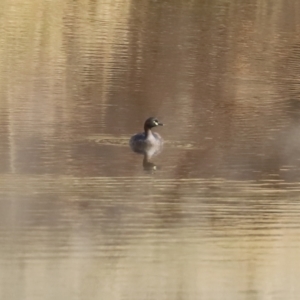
148 153
148 165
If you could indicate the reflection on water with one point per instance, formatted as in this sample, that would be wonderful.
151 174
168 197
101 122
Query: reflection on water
215 215
147 164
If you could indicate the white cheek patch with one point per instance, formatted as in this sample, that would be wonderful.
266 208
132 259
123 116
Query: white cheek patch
155 122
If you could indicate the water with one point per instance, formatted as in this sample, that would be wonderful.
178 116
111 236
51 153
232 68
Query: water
215 215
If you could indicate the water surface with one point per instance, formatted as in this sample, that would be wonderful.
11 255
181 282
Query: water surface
215 215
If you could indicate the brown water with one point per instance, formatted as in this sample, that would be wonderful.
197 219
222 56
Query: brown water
82 217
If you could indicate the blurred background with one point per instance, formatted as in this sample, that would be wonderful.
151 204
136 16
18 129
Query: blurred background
80 215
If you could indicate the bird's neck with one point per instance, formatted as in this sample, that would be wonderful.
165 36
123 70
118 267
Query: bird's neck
148 132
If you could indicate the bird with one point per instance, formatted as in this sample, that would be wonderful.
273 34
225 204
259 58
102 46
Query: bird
147 140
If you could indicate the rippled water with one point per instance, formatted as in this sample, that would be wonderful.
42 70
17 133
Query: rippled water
215 215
